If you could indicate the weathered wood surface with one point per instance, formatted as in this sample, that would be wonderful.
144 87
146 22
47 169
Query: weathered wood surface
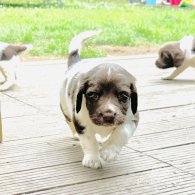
1 132
39 157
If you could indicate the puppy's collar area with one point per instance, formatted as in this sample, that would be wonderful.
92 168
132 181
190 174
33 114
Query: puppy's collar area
184 50
187 45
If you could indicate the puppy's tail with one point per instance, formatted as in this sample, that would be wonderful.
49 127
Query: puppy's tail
76 45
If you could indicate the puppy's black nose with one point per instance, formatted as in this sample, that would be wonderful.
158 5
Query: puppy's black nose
109 117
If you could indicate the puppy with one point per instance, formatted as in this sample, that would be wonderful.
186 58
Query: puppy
9 62
179 54
98 99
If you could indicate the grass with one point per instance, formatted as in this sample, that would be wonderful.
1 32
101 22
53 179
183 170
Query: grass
50 27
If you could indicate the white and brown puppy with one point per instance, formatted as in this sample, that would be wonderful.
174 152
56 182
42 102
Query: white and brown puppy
98 98
180 55
9 62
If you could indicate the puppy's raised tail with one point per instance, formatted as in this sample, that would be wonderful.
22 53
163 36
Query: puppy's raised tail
76 45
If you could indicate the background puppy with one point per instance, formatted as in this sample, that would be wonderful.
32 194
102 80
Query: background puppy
9 61
98 98
179 54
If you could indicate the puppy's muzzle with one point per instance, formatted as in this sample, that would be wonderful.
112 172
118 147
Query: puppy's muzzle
159 64
108 117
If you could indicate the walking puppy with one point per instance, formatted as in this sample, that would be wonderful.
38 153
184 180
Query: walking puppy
98 98
9 62
179 54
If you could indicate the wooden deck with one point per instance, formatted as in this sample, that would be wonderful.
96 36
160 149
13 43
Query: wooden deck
38 156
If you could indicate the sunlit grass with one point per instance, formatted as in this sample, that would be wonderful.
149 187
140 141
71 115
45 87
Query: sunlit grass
50 29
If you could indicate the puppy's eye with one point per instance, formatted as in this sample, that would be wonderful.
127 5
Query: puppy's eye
93 96
123 96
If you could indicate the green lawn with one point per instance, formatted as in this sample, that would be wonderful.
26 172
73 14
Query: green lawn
50 28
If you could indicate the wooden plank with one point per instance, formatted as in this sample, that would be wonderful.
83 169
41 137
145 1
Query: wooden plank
165 125
166 114
158 86
12 107
159 181
35 145
167 119
16 109
38 125
159 100
43 147
1 131
41 174
182 157
163 139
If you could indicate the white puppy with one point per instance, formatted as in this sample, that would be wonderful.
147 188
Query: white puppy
98 98
180 55
9 62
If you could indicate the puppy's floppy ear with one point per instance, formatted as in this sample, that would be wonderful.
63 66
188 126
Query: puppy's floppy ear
79 97
178 57
134 98
168 59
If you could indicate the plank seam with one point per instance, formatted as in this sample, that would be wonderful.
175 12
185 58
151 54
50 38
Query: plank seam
190 143
162 161
83 182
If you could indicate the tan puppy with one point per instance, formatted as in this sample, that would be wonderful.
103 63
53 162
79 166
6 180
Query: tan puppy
179 54
98 98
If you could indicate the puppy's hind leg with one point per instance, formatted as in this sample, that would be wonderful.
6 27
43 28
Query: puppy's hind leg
9 82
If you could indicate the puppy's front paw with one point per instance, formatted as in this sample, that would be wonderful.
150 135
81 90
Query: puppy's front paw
167 78
93 162
75 136
109 153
